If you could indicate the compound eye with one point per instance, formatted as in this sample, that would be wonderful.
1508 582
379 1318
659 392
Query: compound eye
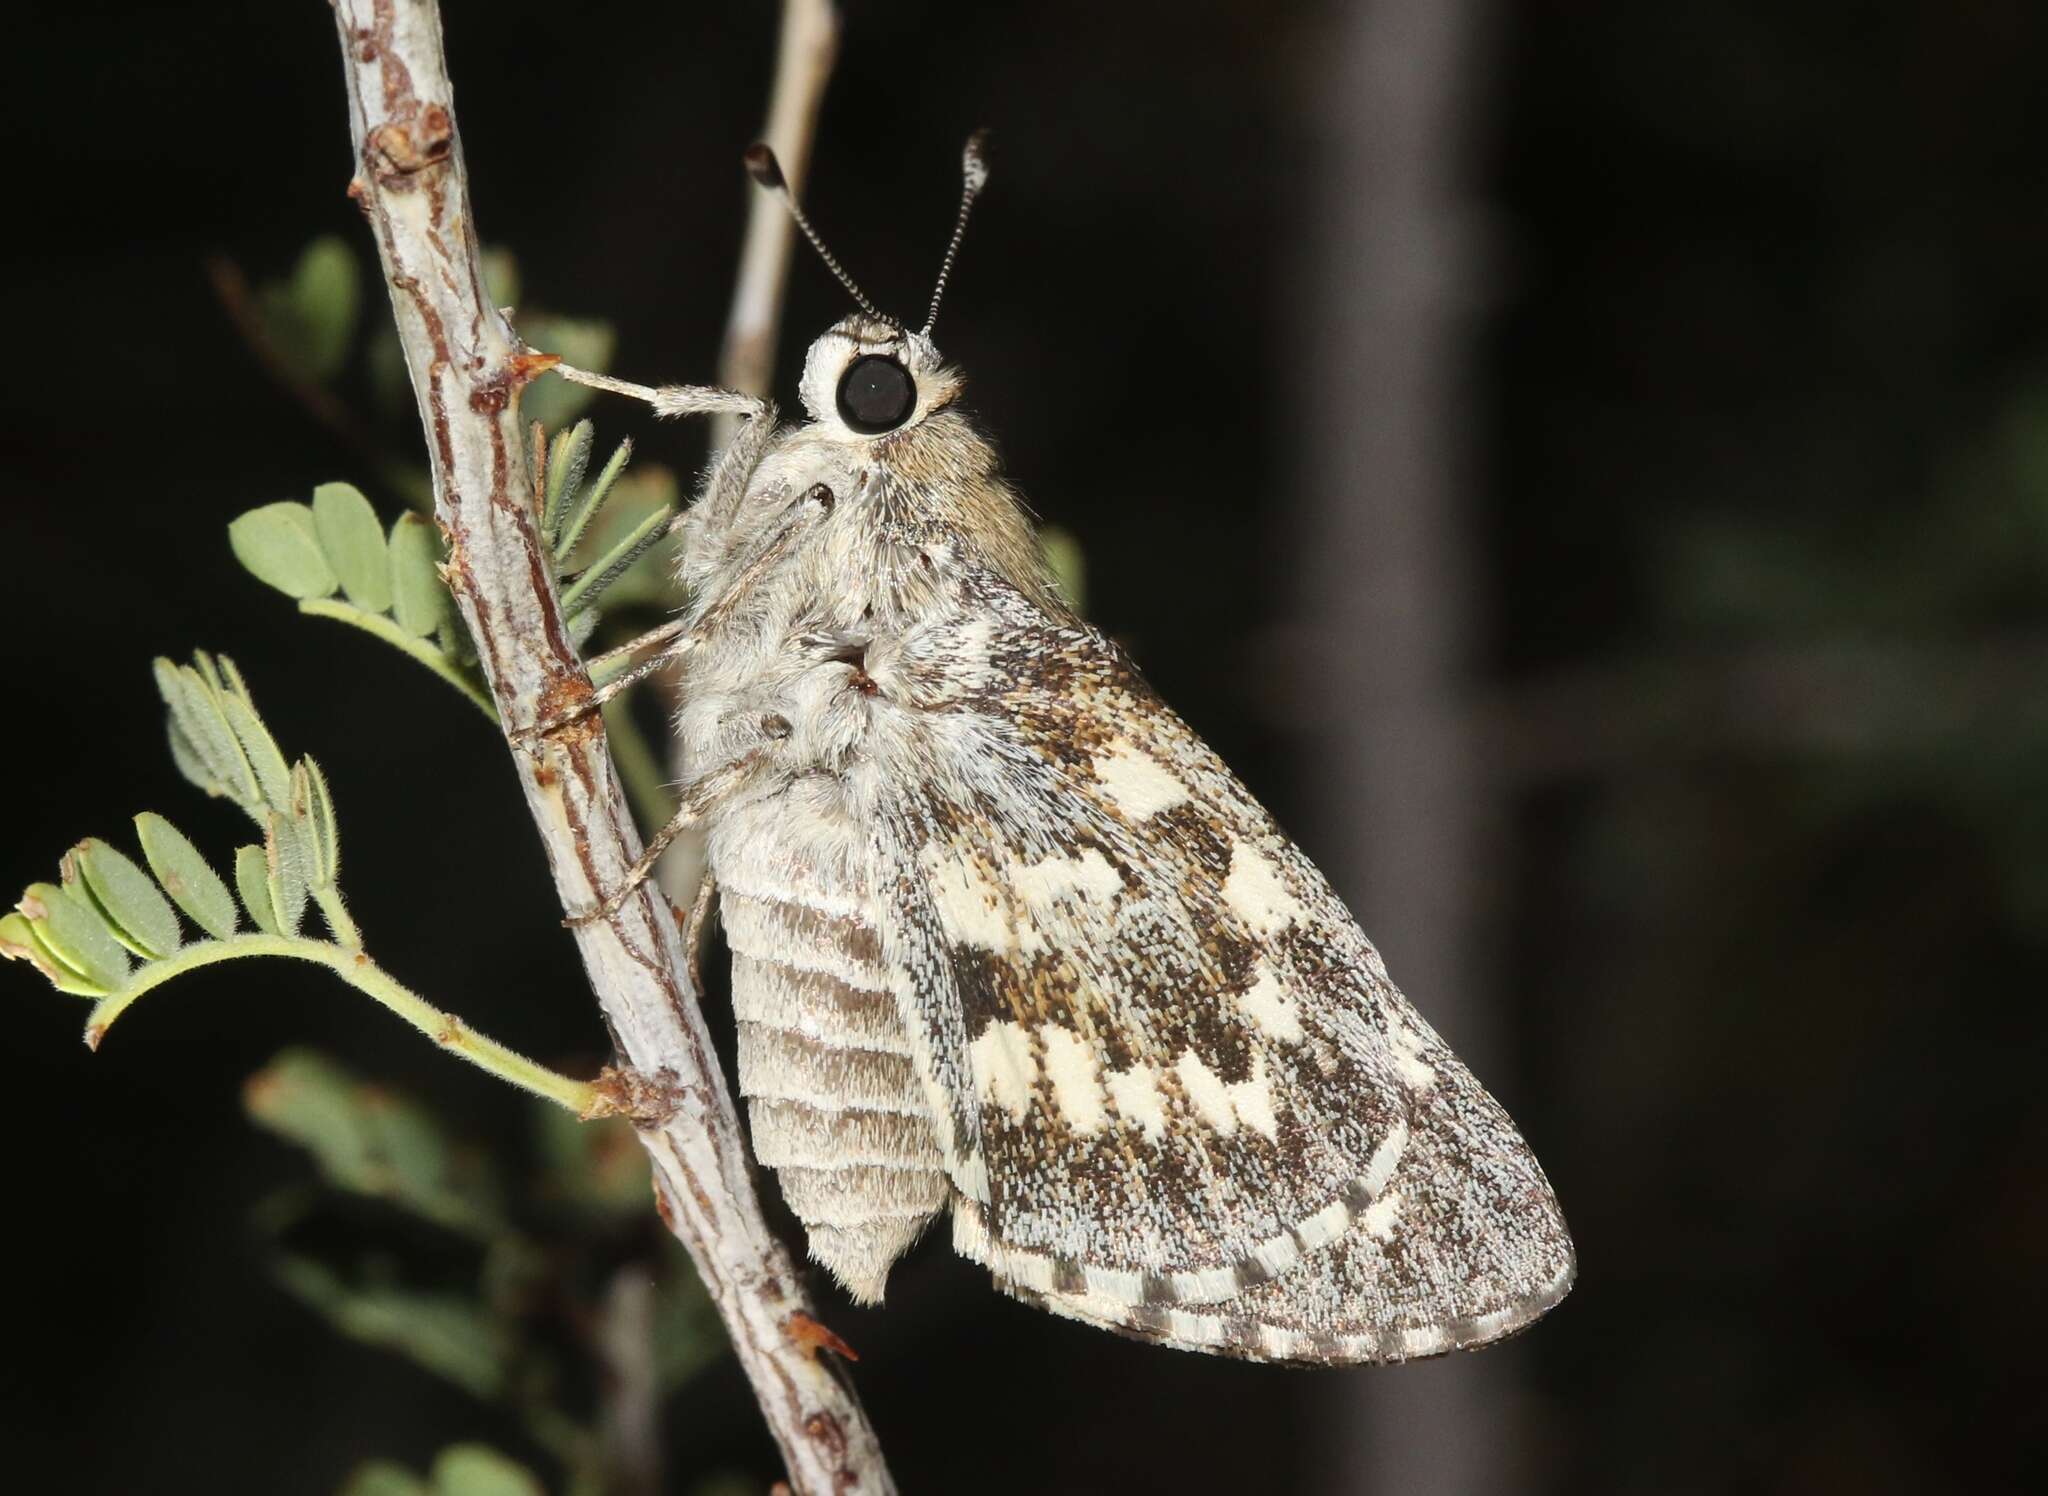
876 394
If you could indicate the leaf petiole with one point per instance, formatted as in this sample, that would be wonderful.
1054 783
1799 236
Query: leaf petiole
363 974
398 638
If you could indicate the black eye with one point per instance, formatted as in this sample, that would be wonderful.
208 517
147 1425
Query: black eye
876 394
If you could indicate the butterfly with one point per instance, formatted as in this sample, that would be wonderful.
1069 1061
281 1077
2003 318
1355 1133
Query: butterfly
1012 945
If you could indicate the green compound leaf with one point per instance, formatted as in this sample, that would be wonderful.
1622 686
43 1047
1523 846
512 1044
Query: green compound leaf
252 882
478 1470
419 599
354 542
195 887
285 871
265 758
141 917
280 545
75 934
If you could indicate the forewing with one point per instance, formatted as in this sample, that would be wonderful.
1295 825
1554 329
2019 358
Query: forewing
1171 1067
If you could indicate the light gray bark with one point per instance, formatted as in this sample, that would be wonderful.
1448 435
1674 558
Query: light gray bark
467 367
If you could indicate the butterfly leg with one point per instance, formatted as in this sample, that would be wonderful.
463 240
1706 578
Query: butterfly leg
699 798
696 924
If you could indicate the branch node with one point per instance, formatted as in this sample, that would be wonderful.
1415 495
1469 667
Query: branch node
642 1099
813 1337
400 150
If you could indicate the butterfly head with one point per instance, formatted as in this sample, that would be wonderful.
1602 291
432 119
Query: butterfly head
870 375
867 377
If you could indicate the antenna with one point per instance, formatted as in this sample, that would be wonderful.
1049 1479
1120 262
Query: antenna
973 177
766 170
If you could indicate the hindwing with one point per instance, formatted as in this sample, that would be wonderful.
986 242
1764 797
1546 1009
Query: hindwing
1177 1093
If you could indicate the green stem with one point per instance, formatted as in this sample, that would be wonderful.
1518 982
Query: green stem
355 968
398 638
339 920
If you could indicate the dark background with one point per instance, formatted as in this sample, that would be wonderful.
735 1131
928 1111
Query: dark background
1758 519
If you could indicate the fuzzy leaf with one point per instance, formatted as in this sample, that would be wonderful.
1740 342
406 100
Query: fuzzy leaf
252 882
313 810
280 545
478 1470
266 759
141 917
568 460
650 581
76 934
19 941
195 707
185 758
585 506
419 599
608 568
183 874
354 543
284 858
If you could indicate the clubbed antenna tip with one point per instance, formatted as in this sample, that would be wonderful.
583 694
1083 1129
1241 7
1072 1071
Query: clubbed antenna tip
973 177
767 171
764 168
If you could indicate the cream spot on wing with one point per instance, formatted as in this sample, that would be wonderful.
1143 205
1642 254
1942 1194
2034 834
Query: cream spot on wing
1267 1003
1257 894
1004 1068
1380 1216
1135 1093
1407 1046
1380 1168
1207 1093
1043 884
1325 1226
1252 1100
1137 783
967 906
972 911
1076 1089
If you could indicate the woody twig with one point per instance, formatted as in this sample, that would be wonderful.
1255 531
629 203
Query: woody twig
467 367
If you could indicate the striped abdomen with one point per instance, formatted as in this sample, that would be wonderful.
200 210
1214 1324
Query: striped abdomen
837 1109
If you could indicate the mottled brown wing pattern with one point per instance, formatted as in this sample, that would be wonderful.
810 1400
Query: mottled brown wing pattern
1178 1095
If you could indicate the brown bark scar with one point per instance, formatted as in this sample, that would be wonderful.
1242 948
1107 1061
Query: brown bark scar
642 1099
